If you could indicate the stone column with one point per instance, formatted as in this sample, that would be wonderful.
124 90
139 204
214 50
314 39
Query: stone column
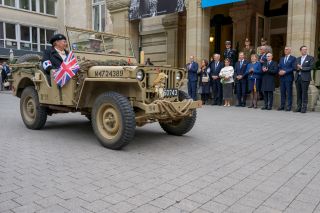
197 30
302 17
119 11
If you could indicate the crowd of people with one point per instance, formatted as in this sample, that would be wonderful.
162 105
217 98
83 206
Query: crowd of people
5 73
253 74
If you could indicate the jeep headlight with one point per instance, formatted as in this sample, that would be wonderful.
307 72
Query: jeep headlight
140 75
178 76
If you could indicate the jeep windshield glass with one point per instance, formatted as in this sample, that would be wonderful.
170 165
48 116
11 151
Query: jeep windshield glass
101 43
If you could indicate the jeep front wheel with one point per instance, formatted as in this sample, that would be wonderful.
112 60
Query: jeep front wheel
181 126
113 120
33 115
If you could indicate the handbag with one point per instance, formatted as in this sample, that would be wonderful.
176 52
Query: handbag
6 83
205 79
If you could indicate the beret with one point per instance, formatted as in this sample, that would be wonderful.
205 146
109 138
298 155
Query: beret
57 37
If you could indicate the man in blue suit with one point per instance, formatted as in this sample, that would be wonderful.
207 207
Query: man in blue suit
286 68
241 80
192 68
215 67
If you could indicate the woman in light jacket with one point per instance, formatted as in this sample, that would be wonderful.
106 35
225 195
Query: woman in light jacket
226 75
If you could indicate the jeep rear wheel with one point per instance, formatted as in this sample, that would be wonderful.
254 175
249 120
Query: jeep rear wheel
33 115
181 126
113 120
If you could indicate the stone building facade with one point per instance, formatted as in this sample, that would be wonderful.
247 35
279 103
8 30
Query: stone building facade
171 39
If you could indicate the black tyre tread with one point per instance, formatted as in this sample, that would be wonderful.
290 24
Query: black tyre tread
41 117
185 125
29 58
127 114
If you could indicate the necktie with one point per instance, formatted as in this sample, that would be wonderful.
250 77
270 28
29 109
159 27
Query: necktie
241 62
285 59
216 65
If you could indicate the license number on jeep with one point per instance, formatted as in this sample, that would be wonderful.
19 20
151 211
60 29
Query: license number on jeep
108 74
170 93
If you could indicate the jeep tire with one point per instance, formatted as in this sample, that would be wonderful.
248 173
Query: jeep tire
181 126
33 115
113 120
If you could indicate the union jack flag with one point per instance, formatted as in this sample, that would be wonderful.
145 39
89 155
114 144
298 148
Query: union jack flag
67 70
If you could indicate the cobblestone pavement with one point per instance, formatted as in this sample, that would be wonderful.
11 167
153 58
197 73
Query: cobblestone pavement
234 160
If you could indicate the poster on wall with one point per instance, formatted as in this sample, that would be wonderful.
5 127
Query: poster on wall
149 8
211 3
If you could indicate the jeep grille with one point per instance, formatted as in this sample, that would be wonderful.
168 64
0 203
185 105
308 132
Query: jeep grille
171 80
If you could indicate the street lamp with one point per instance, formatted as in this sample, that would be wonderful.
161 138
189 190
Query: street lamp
211 39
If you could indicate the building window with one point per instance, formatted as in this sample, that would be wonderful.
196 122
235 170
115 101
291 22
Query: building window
25 43
11 40
11 3
50 7
16 36
45 36
98 15
39 6
24 4
34 5
1 35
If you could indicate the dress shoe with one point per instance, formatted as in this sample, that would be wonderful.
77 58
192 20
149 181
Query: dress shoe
250 106
213 104
303 110
269 108
288 109
264 108
280 108
238 105
297 110
243 105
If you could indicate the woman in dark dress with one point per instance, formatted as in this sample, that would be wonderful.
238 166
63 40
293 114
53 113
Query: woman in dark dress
204 82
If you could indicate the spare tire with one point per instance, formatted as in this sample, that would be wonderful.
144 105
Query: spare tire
30 58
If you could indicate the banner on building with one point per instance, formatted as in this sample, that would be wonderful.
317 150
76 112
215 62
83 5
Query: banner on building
149 8
211 3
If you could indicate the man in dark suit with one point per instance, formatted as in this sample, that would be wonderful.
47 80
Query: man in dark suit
229 53
304 65
216 87
286 68
241 80
192 68
54 56
269 70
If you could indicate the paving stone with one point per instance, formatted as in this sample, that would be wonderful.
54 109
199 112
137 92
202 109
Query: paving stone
122 207
7 205
147 208
163 202
214 206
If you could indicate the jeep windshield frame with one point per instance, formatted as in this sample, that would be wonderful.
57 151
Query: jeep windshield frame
101 43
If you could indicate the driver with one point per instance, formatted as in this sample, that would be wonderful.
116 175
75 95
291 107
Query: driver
94 44
54 56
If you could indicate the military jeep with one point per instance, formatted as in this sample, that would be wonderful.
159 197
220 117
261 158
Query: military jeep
114 92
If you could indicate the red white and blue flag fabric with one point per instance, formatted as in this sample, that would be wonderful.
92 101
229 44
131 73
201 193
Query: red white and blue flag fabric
67 70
